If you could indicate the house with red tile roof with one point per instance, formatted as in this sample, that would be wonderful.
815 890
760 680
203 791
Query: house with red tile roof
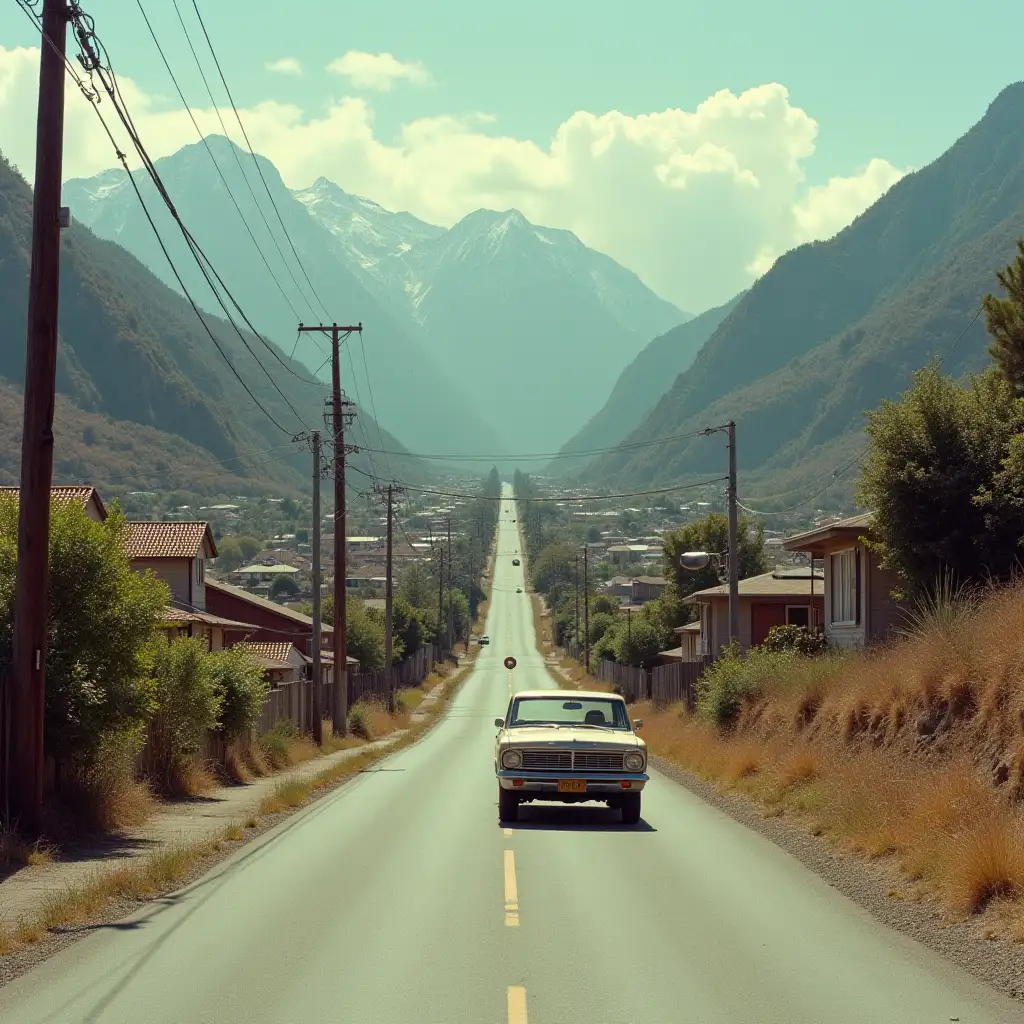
176 552
88 497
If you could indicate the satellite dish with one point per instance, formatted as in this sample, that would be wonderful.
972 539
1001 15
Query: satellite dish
694 560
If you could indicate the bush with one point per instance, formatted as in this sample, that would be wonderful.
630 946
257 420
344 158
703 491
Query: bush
239 683
360 721
188 707
795 638
735 678
276 743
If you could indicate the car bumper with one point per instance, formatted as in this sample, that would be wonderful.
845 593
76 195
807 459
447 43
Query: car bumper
598 783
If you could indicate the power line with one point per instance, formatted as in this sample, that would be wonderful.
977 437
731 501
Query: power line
836 474
245 135
209 151
238 164
373 404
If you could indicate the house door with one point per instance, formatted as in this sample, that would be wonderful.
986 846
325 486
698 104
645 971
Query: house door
762 618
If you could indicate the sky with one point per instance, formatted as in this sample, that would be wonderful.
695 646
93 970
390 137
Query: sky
692 142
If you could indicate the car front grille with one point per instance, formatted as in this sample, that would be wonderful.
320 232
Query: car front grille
547 760
568 760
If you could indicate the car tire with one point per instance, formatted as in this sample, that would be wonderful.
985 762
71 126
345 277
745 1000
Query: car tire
508 806
630 808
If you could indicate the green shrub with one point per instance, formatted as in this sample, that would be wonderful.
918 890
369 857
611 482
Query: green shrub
188 707
240 684
735 678
795 638
360 721
276 743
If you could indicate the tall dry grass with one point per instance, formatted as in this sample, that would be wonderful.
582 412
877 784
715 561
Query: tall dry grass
914 751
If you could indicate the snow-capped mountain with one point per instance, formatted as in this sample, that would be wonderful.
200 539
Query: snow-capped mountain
447 311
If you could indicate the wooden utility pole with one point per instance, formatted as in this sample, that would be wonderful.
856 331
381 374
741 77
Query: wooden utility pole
340 409
26 686
586 612
316 708
390 493
734 546
576 631
451 610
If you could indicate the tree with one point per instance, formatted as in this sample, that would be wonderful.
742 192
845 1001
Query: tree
603 603
944 474
102 616
639 643
241 688
555 563
1005 322
283 586
249 546
599 625
417 586
408 628
712 534
365 634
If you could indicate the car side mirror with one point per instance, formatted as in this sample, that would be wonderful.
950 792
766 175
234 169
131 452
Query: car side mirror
638 724
499 723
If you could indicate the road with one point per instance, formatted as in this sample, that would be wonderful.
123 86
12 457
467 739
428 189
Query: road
399 899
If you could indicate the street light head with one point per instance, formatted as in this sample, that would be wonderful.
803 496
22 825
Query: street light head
694 560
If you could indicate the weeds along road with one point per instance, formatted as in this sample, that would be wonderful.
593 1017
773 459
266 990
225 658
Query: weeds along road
399 899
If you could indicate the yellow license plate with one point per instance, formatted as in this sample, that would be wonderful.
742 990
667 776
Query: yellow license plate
572 785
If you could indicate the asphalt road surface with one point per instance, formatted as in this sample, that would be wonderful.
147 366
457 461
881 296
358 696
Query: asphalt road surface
399 899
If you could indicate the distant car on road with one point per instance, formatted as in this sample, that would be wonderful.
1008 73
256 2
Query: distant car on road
515 561
484 640
519 590
569 746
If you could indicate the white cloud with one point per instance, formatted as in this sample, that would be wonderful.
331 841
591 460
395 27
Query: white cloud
379 71
285 66
696 202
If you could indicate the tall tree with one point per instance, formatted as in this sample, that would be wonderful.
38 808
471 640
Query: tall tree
712 534
1005 322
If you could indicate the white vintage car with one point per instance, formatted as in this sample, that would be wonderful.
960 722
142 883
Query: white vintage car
569 746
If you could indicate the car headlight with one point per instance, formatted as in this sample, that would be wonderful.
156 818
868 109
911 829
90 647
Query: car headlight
633 762
511 759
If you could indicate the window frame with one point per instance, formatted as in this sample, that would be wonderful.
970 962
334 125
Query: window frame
848 587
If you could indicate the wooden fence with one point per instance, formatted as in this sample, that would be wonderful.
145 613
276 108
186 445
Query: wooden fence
665 684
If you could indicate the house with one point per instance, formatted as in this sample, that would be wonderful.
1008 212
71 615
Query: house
282 662
623 554
859 606
784 597
619 587
646 588
273 623
177 553
689 641
264 573
88 497
219 633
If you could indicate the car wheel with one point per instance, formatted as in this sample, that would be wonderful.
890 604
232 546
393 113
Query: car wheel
630 808
508 805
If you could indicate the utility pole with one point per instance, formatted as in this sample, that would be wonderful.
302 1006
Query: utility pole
586 612
25 689
734 547
316 709
576 632
389 493
451 610
340 409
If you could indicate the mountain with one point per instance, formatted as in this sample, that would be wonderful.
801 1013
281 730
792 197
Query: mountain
414 396
503 298
647 378
834 327
146 398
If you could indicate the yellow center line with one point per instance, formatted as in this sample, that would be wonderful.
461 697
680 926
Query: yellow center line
516 1004
511 891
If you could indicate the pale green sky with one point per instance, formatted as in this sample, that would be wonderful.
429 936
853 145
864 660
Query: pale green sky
894 81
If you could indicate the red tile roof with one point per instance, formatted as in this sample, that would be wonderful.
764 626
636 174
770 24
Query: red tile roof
81 493
168 540
278 652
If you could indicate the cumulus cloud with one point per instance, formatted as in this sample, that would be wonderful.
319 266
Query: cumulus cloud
696 202
285 66
379 71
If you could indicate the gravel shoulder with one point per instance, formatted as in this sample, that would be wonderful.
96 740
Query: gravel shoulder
877 886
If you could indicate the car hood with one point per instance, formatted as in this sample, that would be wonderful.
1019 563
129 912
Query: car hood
560 739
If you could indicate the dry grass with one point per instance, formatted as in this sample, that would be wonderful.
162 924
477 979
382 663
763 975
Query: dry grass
16 852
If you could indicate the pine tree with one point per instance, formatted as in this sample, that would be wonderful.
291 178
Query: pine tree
1005 322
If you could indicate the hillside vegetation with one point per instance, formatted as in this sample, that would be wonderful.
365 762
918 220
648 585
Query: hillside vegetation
835 326
133 352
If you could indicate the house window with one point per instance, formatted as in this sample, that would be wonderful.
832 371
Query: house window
200 569
705 631
844 587
798 615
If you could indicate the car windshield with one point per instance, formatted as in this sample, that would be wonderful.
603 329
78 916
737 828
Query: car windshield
599 712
